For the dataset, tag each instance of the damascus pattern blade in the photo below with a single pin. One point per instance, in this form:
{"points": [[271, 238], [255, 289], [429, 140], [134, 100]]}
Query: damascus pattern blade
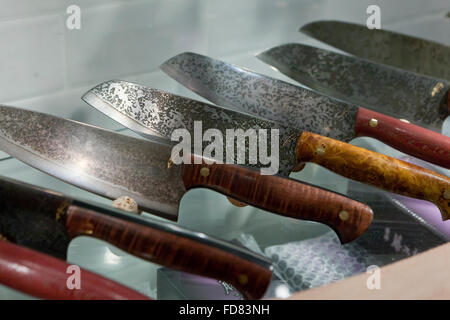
{"points": [[161, 113], [241, 89], [401, 94], [94, 159], [383, 46]]}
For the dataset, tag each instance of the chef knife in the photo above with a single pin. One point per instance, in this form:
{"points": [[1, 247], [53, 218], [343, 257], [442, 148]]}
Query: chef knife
{"points": [[230, 86], [46, 221], [162, 112], [392, 91], [384, 46], [114, 165], [45, 277]]}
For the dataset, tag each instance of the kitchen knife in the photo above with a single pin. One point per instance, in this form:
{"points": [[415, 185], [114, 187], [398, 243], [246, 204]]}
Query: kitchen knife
{"points": [[392, 91], [45, 277], [45, 220], [384, 46], [114, 165], [162, 112], [240, 89]]}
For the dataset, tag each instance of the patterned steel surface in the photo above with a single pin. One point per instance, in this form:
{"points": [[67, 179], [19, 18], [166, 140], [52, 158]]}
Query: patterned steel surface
{"points": [[398, 93], [240, 89], [94, 159], [387, 47], [163, 112]]}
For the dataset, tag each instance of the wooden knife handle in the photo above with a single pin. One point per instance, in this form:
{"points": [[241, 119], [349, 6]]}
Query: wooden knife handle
{"points": [[45, 277], [287, 197], [172, 251], [376, 169], [405, 137]]}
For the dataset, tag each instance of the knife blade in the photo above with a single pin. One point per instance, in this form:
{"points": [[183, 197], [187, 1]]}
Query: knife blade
{"points": [[241, 89], [149, 107], [384, 46], [45, 277], [46, 221], [114, 165], [391, 91]]}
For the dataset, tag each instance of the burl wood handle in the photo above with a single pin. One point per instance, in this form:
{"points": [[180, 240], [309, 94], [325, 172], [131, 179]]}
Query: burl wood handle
{"points": [[45, 277], [172, 251], [405, 137], [287, 197], [376, 169]]}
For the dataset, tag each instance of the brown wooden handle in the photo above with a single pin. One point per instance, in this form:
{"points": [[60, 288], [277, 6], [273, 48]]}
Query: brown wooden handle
{"points": [[172, 251], [287, 197], [376, 169]]}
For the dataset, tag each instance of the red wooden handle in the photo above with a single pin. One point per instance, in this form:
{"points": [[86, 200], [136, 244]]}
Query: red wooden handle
{"points": [[405, 137], [45, 277], [172, 250]]}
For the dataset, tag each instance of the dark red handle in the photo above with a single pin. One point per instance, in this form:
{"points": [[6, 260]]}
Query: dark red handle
{"points": [[405, 137], [45, 277]]}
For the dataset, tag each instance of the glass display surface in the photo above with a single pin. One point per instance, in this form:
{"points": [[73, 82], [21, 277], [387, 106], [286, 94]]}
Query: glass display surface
{"points": [[129, 40]]}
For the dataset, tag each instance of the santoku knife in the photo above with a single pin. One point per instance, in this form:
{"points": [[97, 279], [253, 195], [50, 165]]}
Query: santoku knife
{"points": [[162, 112], [384, 46], [114, 165], [392, 91], [230, 86], [45, 220], [45, 277]]}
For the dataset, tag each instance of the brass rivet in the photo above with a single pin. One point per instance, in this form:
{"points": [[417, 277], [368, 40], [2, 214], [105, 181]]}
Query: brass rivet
{"points": [[169, 163], [204, 172], [242, 279], [87, 228], [373, 122], [3, 238], [344, 215], [404, 120], [447, 194], [437, 88], [320, 151], [61, 211], [236, 203]]}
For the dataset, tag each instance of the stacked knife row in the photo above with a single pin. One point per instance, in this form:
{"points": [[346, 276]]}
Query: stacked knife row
{"points": [[314, 126]]}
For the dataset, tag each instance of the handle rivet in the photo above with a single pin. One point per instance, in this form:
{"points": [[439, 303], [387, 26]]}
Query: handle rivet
{"points": [[373, 122], [243, 279], [169, 163], [204, 172], [344, 215], [320, 151], [447, 194], [3, 238], [437, 88]]}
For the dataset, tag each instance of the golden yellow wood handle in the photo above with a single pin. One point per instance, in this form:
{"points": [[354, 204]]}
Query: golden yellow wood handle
{"points": [[376, 169]]}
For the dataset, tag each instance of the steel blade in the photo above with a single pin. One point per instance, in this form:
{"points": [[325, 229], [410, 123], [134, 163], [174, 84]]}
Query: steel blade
{"points": [[161, 113], [97, 160], [392, 91], [383, 46], [241, 89], [29, 217]]}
